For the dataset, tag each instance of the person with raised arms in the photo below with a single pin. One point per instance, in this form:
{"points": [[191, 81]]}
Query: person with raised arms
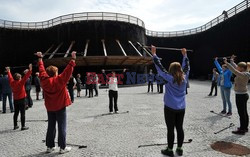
{"points": [[56, 99], [174, 99], [17, 84], [241, 71], [225, 86]]}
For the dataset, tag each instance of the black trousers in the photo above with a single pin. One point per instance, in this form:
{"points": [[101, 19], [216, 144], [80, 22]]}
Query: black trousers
{"points": [[113, 96], [71, 93], [241, 103], [19, 107], [96, 90], [150, 83], [86, 91], [91, 90], [29, 100], [174, 119], [61, 118], [161, 88], [38, 90], [213, 86], [1, 95]]}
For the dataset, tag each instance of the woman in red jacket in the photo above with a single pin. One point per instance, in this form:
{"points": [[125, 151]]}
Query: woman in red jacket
{"points": [[17, 85], [56, 99]]}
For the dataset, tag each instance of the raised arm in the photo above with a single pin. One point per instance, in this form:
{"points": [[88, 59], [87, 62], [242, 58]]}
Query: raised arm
{"points": [[217, 65], [248, 66], [27, 75], [233, 69], [185, 62], [42, 72], [160, 69], [232, 61], [9, 75], [65, 75]]}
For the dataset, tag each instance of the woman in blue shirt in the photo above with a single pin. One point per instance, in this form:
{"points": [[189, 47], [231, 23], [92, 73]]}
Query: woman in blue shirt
{"points": [[225, 86], [174, 99]]}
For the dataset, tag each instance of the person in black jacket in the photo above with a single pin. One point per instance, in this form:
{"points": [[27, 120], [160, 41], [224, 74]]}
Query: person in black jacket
{"points": [[86, 85], [38, 85], [124, 73], [225, 14], [150, 80], [105, 78], [71, 86], [29, 102], [160, 83], [78, 85], [7, 92], [90, 82], [214, 82]]}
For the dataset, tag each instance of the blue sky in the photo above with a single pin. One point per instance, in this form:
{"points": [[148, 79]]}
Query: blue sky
{"points": [[158, 15]]}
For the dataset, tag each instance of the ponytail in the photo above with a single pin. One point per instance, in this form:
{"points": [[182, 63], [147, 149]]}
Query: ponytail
{"points": [[176, 71]]}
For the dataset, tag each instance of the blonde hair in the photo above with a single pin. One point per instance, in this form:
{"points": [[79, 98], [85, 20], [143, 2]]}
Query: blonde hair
{"points": [[176, 71], [51, 70], [242, 65], [248, 66]]}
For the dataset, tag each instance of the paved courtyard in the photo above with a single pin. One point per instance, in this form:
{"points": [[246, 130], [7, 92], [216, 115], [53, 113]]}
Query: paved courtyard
{"points": [[121, 134]]}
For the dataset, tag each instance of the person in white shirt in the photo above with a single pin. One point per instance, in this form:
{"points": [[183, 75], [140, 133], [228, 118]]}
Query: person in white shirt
{"points": [[113, 93]]}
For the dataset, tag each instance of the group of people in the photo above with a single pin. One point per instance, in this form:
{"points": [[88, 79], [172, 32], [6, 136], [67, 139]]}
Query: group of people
{"points": [[91, 84], [176, 84], [57, 96], [57, 91], [223, 79], [159, 81]]}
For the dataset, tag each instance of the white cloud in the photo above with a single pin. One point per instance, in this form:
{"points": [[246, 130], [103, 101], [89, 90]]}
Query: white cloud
{"points": [[158, 15]]}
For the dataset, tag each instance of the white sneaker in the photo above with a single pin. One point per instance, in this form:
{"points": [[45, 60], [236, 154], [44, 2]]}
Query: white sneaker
{"points": [[50, 150], [111, 112], [65, 150]]}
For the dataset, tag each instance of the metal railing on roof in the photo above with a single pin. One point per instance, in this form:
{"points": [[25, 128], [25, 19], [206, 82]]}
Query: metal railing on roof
{"points": [[108, 16], [230, 13], [86, 16]]}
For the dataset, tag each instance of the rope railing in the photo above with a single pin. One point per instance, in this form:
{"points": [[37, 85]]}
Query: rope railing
{"points": [[108, 16], [231, 12], [86, 16]]}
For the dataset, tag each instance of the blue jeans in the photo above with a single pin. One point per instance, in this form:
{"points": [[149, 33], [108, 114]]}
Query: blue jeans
{"points": [[225, 95], [9, 95], [59, 117]]}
